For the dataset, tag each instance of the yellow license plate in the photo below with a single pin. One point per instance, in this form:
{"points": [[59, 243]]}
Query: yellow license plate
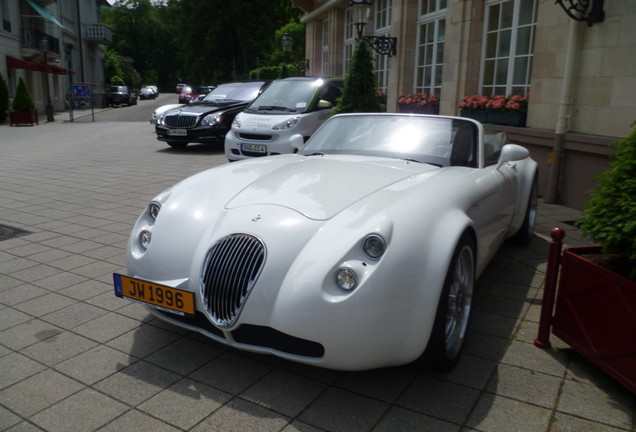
{"points": [[159, 296]]}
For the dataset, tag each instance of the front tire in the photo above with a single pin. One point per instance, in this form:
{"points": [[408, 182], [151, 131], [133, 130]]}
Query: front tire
{"points": [[453, 310]]}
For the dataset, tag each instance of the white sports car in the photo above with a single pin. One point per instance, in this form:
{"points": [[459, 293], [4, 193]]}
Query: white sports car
{"points": [[359, 251]]}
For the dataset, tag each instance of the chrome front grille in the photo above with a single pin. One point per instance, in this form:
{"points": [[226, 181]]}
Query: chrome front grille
{"points": [[181, 120], [231, 269]]}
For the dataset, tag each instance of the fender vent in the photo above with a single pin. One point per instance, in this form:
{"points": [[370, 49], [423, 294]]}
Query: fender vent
{"points": [[231, 269]]}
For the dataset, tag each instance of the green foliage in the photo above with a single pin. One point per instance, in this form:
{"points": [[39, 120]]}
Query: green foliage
{"points": [[265, 73], [200, 41], [610, 215], [4, 99], [22, 100], [117, 80], [359, 93]]}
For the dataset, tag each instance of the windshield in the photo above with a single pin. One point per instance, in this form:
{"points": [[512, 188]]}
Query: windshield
{"points": [[234, 92], [435, 140], [194, 90], [288, 96]]}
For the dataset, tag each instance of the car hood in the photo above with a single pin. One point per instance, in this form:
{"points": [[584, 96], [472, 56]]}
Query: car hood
{"points": [[319, 187], [206, 108]]}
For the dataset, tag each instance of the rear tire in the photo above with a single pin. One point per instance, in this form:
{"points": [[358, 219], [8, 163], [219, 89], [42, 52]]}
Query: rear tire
{"points": [[454, 308], [177, 144], [525, 233]]}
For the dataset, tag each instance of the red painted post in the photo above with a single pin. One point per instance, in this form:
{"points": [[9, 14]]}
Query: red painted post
{"points": [[549, 290]]}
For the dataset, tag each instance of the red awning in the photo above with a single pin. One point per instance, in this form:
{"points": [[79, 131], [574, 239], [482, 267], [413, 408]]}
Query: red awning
{"points": [[60, 71], [16, 63]]}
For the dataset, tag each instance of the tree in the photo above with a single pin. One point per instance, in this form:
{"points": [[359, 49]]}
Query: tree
{"points": [[22, 100], [359, 93], [199, 41]]}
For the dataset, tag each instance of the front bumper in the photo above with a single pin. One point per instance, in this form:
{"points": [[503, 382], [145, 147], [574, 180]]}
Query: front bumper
{"points": [[246, 146], [199, 134]]}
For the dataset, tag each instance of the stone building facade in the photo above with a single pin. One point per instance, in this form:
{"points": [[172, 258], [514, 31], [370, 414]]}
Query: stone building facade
{"points": [[581, 78], [75, 41]]}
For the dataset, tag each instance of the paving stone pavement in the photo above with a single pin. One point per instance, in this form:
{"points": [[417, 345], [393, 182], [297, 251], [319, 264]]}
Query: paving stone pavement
{"points": [[73, 357]]}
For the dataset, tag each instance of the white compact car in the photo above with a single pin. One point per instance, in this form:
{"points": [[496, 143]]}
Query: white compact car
{"points": [[288, 107], [359, 251]]}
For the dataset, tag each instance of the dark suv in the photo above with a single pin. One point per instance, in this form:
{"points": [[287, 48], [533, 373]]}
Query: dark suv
{"points": [[208, 120], [120, 95]]}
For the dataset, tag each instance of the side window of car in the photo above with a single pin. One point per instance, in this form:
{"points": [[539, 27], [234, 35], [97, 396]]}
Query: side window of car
{"points": [[463, 152], [331, 93], [493, 143]]}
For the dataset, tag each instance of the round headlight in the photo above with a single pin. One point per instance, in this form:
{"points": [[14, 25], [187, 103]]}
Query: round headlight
{"points": [[144, 238], [153, 209], [287, 124], [374, 246], [346, 279]]}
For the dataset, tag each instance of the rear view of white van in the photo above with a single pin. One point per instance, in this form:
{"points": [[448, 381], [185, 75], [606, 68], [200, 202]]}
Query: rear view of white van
{"points": [[287, 107]]}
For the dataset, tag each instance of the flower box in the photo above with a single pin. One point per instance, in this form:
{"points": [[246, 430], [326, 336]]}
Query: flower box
{"points": [[418, 109], [506, 118], [23, 117], [508, 110], [479, 115], [418, 103]]}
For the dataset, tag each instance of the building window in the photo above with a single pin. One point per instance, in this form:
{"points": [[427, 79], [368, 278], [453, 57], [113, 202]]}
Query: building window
{"points": [[382, 27], [4, 16], [508, 46], [430, 46], [431, 6], [325, 48]]}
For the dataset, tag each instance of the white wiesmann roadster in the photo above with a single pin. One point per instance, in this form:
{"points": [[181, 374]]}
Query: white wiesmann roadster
{"points": [[359, 251]]}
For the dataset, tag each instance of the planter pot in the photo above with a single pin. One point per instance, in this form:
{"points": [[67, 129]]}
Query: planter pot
{"points": [[595, 313], [418, 110], [23, 117], [508, 118], [480, 116]]}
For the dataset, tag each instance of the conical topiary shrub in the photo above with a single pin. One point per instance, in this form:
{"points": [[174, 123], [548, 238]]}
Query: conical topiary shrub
{"points": [[4, 100], [22, 100], [359, 92]]}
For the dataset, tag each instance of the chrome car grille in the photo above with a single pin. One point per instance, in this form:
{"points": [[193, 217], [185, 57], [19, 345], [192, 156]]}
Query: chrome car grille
{"points": [[231, 269], [181, 120]]}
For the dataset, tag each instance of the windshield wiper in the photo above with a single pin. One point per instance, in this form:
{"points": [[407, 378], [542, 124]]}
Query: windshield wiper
{"points": [[275, 108], [422, 162]]}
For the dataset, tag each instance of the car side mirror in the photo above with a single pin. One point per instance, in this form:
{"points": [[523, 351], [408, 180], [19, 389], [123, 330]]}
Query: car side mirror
{"points": [[512, 153], [323, 104], [296, 142]]}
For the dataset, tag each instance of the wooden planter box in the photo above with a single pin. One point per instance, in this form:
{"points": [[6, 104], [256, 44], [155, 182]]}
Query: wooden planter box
{"points": [[594, 313], [508, 118], [23, 118]]}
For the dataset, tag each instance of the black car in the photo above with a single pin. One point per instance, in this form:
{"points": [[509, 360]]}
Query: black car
{"points": [[209, 120], [120, 95], [147, 93]]}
